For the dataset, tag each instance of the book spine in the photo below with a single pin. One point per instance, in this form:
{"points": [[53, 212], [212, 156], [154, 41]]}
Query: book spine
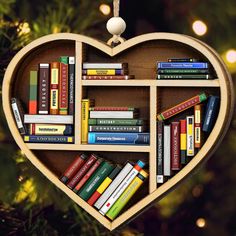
{"points": [[182, 65], [103, 186], [179, 76], [18, 114], [182, 60], [116, 122], [49, 119], [87, 65], [82, 171], [198, 126], [112, 109], [96, 179], [167, 151], [50, 129], [126, 195], [113, 186], [113, 114], [183, 71], [190, 135], [106, 128], [33, 92], [183, 141], [63, 86], [43, 98], [121, 188], [175, 146], [160, 174], [71, 85], [107, 77], [118, 138], [211, 113], [182, 106], [73, 168], [48, 139], [104, 72], [54, 88], [87, 175]]}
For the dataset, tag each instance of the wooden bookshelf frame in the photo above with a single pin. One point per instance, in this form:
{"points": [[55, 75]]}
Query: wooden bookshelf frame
{"points": [[146, 81]]}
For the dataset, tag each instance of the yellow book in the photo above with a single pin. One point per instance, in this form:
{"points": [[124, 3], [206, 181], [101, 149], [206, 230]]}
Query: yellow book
{"points": [[104, 72], [190, 135]]}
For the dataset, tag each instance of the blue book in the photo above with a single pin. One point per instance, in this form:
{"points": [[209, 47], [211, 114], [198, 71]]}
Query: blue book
{"points": [[182, 65], [118, 138], [211, 113], [48, 139]]}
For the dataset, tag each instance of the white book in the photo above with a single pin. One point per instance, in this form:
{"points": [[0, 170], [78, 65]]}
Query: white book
{"points": [[112, 187], [166, 151], [87, 65], [112, 114], [190, 135], [48, 119]]}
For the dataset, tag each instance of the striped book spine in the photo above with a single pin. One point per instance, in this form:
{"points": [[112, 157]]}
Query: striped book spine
{"points": [[33, 92], [71, 85]]}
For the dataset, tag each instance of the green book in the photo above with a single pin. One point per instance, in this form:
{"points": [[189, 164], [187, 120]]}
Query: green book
{"points": [[116, 122], [183, 71], [33, 92], [95, 180], [184, 76]]}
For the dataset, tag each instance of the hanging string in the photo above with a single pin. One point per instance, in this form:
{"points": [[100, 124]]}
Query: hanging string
{"points": [[116, 8]]}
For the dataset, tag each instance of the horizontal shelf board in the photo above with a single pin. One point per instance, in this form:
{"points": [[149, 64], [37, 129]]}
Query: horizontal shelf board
{"points": [[188, 83], [86, 147]]}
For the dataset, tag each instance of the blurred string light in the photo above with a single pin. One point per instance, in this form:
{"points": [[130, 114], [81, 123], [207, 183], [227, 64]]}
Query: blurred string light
{"points": [[201, 223], [23, 28], [105, 9], [199, 27], [231, 56]]}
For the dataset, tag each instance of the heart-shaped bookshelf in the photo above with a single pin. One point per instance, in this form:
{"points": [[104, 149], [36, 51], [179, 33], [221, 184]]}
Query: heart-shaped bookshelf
{"points": [[147, 93]]}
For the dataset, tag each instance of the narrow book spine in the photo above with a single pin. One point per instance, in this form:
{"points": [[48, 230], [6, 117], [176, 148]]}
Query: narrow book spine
{"points": [[190, 135], [182, 60], [82, 171], [50, 129], [183, 141], [182, 65], [113, 114], [63, 86], [71, 85], [48, 139], [73, 168], [48, 119], [33, 92], [160, 174], [198, 126], [167, 150], [175, 146], [116, 122], [87, 65], [183, 71], [105, 72], [54, 88], [43, 102], [106, 128], [180, 76], [126, 195], [107, 77], [112, 109]]}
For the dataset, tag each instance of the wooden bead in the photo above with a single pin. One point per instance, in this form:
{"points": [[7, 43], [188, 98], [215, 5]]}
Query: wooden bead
{"points": [[116, 26]]}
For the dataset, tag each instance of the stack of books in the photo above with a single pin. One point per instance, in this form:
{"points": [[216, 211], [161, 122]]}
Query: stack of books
{"points": [[112, 125], [184, 68], [104, 185], [180, 140], [106, 71], [51, 103]]}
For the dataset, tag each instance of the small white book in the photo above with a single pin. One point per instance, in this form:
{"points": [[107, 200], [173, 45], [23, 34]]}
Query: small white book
{"points": [[87, 65], [113, 114], [167, 146], [48, 119]]}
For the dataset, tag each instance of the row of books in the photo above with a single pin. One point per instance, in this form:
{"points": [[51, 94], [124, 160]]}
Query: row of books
{"points": [[179, 140], [112, 125], [103, 185], [184, 68]]}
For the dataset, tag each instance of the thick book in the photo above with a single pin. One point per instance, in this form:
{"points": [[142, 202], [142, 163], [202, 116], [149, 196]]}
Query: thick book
{"points": [[107, 77], [182, 106], [113, 114], [63, 86], [96, 179], [54, 88], [160, 174], [113, 128], [121, 188], [73, 168], [48, 119], [190, 135], [85, 105], [175, 145], [167, 151], [48, 139], [33, 92], [183, 71], [82, 171], [105, 72], [118, 138], [71, 88], [18, 114], [89, 65], [50, 129], [104, 185], [86, 177], [211, 113], [198, 112], [183, 142], [183, 76], [113, 186], [43, 90], [182, 65], [113, 109], [116, 122]]}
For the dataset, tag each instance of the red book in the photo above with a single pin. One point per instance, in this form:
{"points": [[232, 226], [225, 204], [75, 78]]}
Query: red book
{"points": [[175, 146], [107, 77], [88, 175], [79, 175], [73, 168]]}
